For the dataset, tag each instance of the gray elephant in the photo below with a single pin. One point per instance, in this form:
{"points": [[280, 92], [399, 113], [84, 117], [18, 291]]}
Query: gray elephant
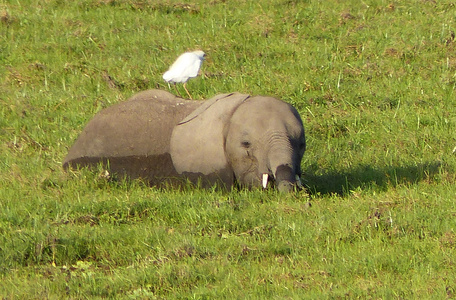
{"points": [[227, 140]]}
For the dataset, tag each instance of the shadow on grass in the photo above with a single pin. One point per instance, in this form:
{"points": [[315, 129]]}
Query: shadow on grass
{"points": [[341, 183]]}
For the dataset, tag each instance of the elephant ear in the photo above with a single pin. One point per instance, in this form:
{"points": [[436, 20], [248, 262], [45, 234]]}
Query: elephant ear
{"points": [[198, 141]]}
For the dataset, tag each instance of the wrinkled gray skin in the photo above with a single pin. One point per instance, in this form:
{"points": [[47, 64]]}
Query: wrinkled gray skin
{"points": [[231, 138]]}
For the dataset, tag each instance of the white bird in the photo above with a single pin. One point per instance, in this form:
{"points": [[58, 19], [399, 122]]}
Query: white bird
{"points": [[186, 66]]}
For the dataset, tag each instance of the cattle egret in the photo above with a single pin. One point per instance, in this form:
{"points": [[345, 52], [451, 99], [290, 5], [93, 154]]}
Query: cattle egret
{"points": [[186, 66]]}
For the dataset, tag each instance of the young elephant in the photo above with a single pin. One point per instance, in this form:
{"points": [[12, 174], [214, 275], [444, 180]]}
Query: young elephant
{"points": [[227, 139]]}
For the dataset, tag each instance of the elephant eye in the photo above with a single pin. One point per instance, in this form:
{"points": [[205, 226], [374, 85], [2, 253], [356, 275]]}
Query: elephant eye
{"points": [[245, 144]]}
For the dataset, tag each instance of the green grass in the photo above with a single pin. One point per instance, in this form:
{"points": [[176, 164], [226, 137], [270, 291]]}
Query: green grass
{"points": [[374, 82]]}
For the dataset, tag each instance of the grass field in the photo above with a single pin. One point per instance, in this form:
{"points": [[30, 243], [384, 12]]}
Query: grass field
{"points": [[374, 82]]}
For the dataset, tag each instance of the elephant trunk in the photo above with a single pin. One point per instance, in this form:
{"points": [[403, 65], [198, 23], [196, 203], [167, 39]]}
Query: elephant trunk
{"points": [[285, 178], [283, 166]]}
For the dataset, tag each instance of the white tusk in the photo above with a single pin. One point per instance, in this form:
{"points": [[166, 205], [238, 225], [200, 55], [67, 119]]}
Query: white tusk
{"points": [[298, 181], [265, 180]]}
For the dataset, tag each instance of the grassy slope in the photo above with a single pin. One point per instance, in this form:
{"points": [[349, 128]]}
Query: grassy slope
{"points": [[374, 83]]}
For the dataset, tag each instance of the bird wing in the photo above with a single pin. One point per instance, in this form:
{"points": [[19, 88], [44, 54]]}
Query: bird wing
{"points": [[193, 67], [186, 66]]}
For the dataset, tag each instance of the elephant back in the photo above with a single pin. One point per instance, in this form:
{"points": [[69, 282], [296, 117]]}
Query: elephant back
{"points": [[134, 135]]}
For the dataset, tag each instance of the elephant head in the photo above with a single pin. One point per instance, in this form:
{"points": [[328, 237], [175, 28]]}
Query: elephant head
{"points": [[242, 138], [265, 139], [227, 139]]}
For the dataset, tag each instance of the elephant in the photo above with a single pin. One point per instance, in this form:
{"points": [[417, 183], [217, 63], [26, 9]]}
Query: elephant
{"points": [[229, 140]]}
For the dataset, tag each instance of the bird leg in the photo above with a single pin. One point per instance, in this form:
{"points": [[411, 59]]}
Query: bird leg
{"points": [[187, 91], [176, 89]]}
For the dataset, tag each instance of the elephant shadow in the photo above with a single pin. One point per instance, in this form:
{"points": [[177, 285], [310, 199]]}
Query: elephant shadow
{"points": [[363, 176]]}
